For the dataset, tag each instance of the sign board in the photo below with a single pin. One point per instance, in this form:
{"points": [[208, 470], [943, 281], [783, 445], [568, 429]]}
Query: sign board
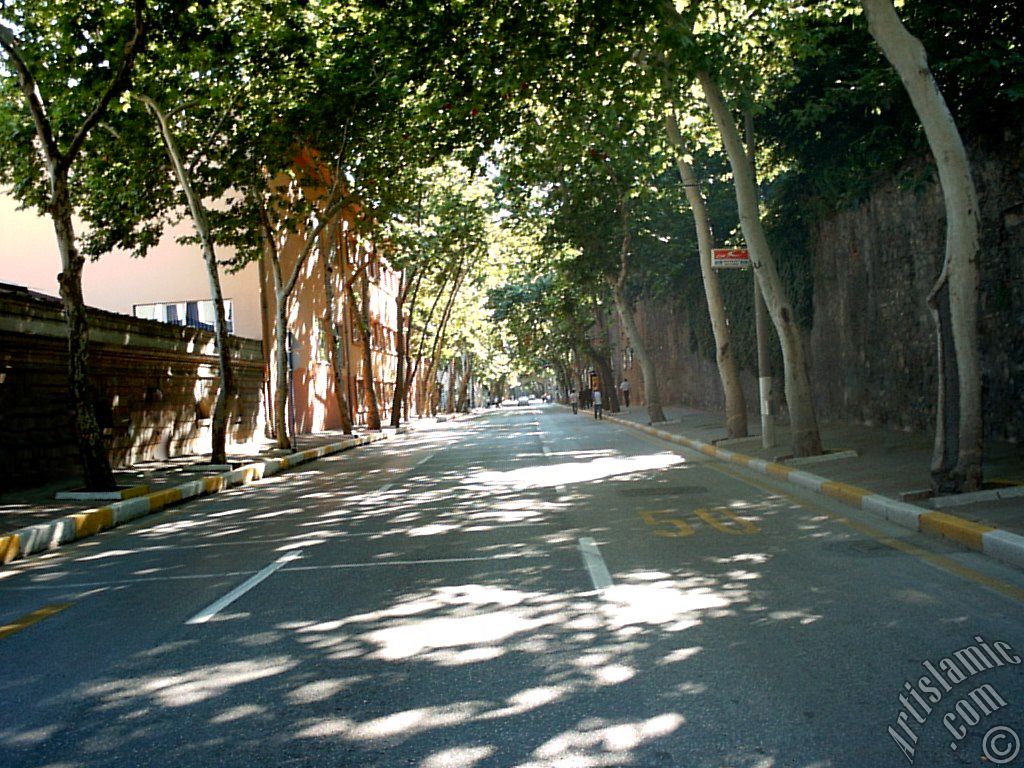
{"points": [[730, 258]]}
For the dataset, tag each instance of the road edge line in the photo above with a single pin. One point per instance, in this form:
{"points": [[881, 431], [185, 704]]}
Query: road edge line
{"points": [[993, 542], [45, 537]]}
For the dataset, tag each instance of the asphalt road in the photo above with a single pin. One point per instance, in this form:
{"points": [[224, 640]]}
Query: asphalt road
{"points": [[530, 588]]}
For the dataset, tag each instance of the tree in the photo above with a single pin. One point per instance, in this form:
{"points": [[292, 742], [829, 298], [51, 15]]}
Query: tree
{"points": [[695, 48], [799, 395], [728, 371], [226, 389], [361, 315], [956, 459], [274, 238], [329, 255], [66, 84]]}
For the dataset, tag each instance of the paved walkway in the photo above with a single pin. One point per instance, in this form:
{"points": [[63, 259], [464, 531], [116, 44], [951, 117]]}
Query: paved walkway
{"points": [[37, 504], [888, 462]]}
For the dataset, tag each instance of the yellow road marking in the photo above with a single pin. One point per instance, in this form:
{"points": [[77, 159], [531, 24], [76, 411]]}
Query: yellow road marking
{"points": [[939, 561], [214, 483], [134, 492], [682, 528], [32, 618], [745, 526]]}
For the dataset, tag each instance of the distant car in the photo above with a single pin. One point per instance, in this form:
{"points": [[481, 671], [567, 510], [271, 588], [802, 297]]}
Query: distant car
{"points": [[523, 400]]}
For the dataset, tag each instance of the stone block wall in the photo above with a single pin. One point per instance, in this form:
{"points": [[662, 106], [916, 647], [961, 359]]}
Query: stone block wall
{"points": [[872, 342], [154, 388]]}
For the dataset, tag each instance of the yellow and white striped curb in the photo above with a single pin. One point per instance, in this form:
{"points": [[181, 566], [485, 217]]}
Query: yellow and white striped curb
{"points": [[46, 536], [994, 542]]}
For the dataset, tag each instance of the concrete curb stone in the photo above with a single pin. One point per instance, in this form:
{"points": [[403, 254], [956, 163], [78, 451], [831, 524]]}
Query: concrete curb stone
{"points": [[998, 544], [47, 536]]}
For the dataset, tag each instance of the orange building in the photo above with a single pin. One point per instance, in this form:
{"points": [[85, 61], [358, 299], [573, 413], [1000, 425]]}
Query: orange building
{"points": [[173, 277], [310, 322]]}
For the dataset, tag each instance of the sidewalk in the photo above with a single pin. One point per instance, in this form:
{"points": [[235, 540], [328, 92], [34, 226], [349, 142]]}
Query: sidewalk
{"points": [[33, 520], [888, 462], [22, 507]]}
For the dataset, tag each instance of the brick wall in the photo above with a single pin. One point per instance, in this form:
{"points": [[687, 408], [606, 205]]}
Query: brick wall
{"points": [[154, 387]]}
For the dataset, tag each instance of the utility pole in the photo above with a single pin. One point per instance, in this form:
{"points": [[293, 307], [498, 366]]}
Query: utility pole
{"points": [[764, 370], [764, 373]]}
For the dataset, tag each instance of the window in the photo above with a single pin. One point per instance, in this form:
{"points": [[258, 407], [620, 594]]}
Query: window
{"points": [[323, 338], [194, 314]]}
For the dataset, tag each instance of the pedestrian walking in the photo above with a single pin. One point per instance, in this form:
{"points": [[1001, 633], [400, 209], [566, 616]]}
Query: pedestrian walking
{"points": [[624, 388], [597, 404], [574, 401]]}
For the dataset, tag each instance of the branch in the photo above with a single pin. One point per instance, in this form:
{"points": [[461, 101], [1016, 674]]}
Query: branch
{"points": [[30, 88], [311, 239], [116, 85], [627, 241], [216, 129], [268, 238]]}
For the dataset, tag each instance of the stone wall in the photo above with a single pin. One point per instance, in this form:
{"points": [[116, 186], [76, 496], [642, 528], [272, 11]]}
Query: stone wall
{"points": [[872, 343], [154, 387], [873, 340]]}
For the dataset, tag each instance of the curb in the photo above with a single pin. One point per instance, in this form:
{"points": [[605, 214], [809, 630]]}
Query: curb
{"points": [[47, 536], [994, 542]]}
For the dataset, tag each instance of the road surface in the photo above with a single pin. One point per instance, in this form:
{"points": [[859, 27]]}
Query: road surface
{"points": [[530, 588]]}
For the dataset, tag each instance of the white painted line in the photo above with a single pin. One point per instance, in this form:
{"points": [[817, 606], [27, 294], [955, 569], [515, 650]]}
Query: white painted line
{"points": [[595, 564], [214, 608], [435, 561]]}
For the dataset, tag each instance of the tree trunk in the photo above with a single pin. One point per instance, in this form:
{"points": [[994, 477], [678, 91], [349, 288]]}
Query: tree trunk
{"points": [[602, 359], [460, 403], [728, 371], [438, 346], [282, 293], [282, 387], [402, 360], [337, 353], [959, 277], [653, 398], [625, 310], [799, 396], [363, 321], [280, 348], [452, 373], [227, 389], [97, 474], [96, 469], [423, 335]]}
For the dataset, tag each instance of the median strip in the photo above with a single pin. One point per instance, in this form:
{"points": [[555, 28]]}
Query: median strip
{"points": [[47, 536]]}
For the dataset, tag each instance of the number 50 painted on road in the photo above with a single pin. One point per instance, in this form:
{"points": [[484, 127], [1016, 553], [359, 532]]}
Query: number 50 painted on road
{"points": [[721, 519]]}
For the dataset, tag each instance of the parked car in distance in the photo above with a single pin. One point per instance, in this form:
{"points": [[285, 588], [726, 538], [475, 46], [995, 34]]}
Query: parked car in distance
{"points": [[524, 400]]}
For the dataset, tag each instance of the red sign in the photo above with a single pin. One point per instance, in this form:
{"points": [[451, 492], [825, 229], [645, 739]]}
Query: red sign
{"points": [[730, 258]]}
